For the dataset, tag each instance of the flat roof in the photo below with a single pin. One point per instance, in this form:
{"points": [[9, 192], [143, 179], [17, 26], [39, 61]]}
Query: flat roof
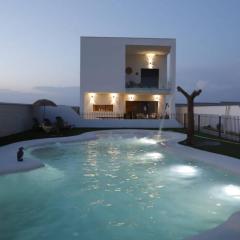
{"points": [[128, 37]]}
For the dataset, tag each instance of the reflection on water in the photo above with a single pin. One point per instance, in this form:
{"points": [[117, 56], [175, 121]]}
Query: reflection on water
{"points": [[232, 191], [184, 171], [114, 188]]}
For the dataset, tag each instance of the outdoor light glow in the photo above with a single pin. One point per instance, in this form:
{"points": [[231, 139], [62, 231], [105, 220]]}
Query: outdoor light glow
{"points": [[156, 97], [185, 170], [150, 59], [147, 141], [92, 96], [114, 96], [154, 155], [150, 157], [232, 191], [131, 97], [150, 65]]}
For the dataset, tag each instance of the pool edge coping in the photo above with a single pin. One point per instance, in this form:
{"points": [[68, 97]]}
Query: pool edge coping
{"points": [[9, 151]]}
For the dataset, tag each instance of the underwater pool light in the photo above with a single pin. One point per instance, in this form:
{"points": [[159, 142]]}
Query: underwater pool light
{"points": [[232, 191], [154, 155], [185, 170], [147, 141]]}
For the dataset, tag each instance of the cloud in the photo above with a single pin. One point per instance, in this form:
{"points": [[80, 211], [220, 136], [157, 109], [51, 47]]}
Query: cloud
{"points": [[56, 89], [60, 95], [11, 96], [201, 84], [218, 84]]}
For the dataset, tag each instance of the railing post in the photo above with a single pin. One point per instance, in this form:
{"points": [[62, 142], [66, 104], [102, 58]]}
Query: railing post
{"points": [[220, 126], [198, 123], [238, 123]]}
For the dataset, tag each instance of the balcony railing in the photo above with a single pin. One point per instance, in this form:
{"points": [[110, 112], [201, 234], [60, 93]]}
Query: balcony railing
{"points": [[139, 86]]}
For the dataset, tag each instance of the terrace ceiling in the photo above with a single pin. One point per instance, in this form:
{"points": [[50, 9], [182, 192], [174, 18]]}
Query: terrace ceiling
{"points": [[144, 49]]}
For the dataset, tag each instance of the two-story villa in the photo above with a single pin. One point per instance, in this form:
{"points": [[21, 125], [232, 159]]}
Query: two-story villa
{"points": [[127, 78]]}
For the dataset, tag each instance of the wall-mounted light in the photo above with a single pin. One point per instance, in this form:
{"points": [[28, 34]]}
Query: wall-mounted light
{"points": [[92, 97], [156, 98], [114, 97], [131, 97], [150, 59]]}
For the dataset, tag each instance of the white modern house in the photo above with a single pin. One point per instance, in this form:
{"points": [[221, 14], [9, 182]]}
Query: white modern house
{"points": [[128, 79]]}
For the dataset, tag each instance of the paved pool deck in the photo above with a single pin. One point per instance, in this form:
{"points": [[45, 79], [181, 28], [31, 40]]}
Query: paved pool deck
{"points": [[229, 230]]}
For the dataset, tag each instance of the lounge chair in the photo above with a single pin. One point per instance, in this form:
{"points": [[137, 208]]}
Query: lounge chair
{"points": [[36, 125], [61, 124], [47, 126]]}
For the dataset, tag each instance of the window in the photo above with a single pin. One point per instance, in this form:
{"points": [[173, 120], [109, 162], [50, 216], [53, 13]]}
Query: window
{"points": [[149, 77], [103, 108]]}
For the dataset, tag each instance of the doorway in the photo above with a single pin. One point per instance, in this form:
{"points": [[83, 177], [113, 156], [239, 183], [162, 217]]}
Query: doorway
{"points": [[142, 109]]}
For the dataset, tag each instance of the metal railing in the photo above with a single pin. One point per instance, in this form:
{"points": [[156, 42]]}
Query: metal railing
{"points": [[130, 115], [226, 127], [140, 85]]}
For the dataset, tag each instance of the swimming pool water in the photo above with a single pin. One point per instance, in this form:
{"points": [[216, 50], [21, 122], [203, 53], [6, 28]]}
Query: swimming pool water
{"points": [[114, 188]]}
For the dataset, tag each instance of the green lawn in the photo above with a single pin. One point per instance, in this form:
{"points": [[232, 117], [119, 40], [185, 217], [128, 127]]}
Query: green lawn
{"points": [[36, 134], [214, 144], [201, 141]]}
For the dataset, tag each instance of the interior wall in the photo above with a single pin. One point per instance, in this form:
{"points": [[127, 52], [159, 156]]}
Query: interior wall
{"points": [[103, 99], [138, 61], [145, 97], [119, 100]]}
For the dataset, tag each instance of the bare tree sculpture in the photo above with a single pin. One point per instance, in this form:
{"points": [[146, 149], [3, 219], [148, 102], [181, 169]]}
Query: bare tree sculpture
{"points": [[190, 105]]}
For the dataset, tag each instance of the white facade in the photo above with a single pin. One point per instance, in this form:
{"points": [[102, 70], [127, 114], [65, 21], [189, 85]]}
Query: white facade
{"points": [[112, 81]]}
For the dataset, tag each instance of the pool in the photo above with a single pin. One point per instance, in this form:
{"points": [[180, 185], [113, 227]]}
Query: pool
{"points": [[117, 186]]}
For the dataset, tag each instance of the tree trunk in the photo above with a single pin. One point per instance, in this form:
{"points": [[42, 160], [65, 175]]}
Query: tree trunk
{"points": [[190, 105], [190, 132]]}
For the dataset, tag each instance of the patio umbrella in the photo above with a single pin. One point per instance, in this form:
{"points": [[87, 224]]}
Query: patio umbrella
{"points": [[44, 103]]}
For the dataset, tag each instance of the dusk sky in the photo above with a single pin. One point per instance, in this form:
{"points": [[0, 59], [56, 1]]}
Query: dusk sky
{"points": [[40, 43]]}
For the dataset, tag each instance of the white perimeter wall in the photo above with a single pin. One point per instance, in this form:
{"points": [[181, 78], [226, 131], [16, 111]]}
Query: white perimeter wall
{"points": [[215, 110], [15, 118]]}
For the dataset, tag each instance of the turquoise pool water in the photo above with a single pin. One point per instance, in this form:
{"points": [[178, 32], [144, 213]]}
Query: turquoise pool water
{"points": [[114, 188]]}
